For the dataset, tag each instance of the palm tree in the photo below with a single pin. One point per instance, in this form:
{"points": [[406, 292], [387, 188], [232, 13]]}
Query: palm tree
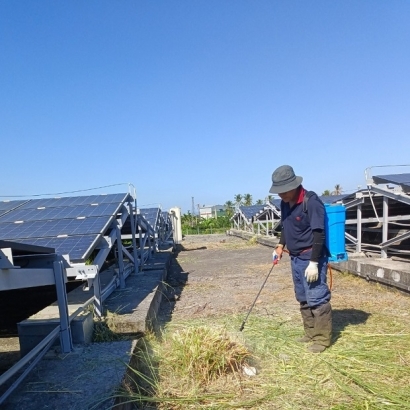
{"points": [[188, 219], [229, 208], [259, 202], [238, 199], [326, 192], [338, 190], [247, 199]]}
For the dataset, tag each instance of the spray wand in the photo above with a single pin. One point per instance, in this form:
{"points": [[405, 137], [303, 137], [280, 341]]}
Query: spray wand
{"points": [[274, 262]]}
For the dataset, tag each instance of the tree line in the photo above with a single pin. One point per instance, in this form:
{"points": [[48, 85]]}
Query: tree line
{"points": [[195, 222]]}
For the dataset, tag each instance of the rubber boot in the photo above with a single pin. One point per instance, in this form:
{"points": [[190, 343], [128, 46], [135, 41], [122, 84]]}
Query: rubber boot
{"points": [[308, 323], [322, 332]]}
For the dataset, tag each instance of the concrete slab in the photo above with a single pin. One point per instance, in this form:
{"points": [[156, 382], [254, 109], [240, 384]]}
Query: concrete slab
{"points": [[135, 306]]}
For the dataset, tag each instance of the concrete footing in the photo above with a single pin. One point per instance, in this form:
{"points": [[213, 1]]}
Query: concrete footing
{"points": [[32, 332]]}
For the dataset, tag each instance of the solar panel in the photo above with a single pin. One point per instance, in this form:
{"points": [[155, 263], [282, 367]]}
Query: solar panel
{"points": [[74, 201], [331, 199], [150, 215], [276, 202], [7, 205], [78, 247], [397, 179], [53, 228], [45, 213], [251, 211]]}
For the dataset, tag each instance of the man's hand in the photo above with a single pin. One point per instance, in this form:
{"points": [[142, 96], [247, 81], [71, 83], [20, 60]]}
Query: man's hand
{"points": [[275, 258], [277, 254], [312, 272]]}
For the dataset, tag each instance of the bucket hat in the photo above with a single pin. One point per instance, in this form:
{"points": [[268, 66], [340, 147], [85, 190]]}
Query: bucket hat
{"points": [[284, 180]]}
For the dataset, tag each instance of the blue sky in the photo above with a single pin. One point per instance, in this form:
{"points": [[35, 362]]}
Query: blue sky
{"points": [[200, 99]]}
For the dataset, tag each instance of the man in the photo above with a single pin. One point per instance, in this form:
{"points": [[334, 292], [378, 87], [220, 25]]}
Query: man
{"points": [[303, 234]]}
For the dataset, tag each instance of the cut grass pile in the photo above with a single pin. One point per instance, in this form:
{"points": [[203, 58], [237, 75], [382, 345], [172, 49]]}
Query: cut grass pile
{"points": [[201, 354], [198, 365]]}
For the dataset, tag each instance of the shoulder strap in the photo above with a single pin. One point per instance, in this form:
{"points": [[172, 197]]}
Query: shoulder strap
{"points": [[308, 194]]}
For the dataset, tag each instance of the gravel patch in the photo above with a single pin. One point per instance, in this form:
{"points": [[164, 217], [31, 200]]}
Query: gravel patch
{"points": [[84, 379]]}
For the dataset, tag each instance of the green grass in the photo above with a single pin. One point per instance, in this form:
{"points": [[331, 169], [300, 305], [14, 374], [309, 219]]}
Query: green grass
{"points": [[368, 367]]}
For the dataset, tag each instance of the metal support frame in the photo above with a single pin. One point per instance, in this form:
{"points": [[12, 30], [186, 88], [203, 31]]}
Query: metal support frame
{"points": [[120, 257], [385, 227], [133, 222], [351, 238], [400, 197], [141, 238], [98, 302], [359, 228], [396, 239], [66, 340]]}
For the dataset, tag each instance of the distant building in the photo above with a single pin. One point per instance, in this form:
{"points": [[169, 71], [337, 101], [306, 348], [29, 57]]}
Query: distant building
{"points": [[212, 211]]}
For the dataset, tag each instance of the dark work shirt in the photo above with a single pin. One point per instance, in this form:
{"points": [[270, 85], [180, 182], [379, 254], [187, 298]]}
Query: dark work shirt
{"points": [[298, 225]]}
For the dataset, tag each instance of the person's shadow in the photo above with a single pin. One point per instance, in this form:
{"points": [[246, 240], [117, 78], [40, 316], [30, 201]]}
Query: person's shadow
{"points": [[343, 317]]}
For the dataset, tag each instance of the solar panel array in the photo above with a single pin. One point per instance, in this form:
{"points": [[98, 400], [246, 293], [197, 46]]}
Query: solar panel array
{"points": [[70, 225], [250, 211]]}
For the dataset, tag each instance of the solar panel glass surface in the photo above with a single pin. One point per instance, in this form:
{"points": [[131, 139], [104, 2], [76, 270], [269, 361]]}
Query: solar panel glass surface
{"points": [[8, 205], [397, 179], [64, 202], [150, 215], [41, 214], [53, 228], [78, 247], [276, 202], [251, 211], [330, 199]]}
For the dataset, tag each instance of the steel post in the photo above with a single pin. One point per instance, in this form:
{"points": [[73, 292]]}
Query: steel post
{"points": [[133, 222], [120, 257], [385, 229], [98, 306], [359, 228], [65, 331]]}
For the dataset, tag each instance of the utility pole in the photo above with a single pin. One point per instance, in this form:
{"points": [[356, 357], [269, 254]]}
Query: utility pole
{"points": [[192, 212]]}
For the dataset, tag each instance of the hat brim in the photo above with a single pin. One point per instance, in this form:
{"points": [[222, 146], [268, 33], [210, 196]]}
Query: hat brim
{"points": [[280, 189]]}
